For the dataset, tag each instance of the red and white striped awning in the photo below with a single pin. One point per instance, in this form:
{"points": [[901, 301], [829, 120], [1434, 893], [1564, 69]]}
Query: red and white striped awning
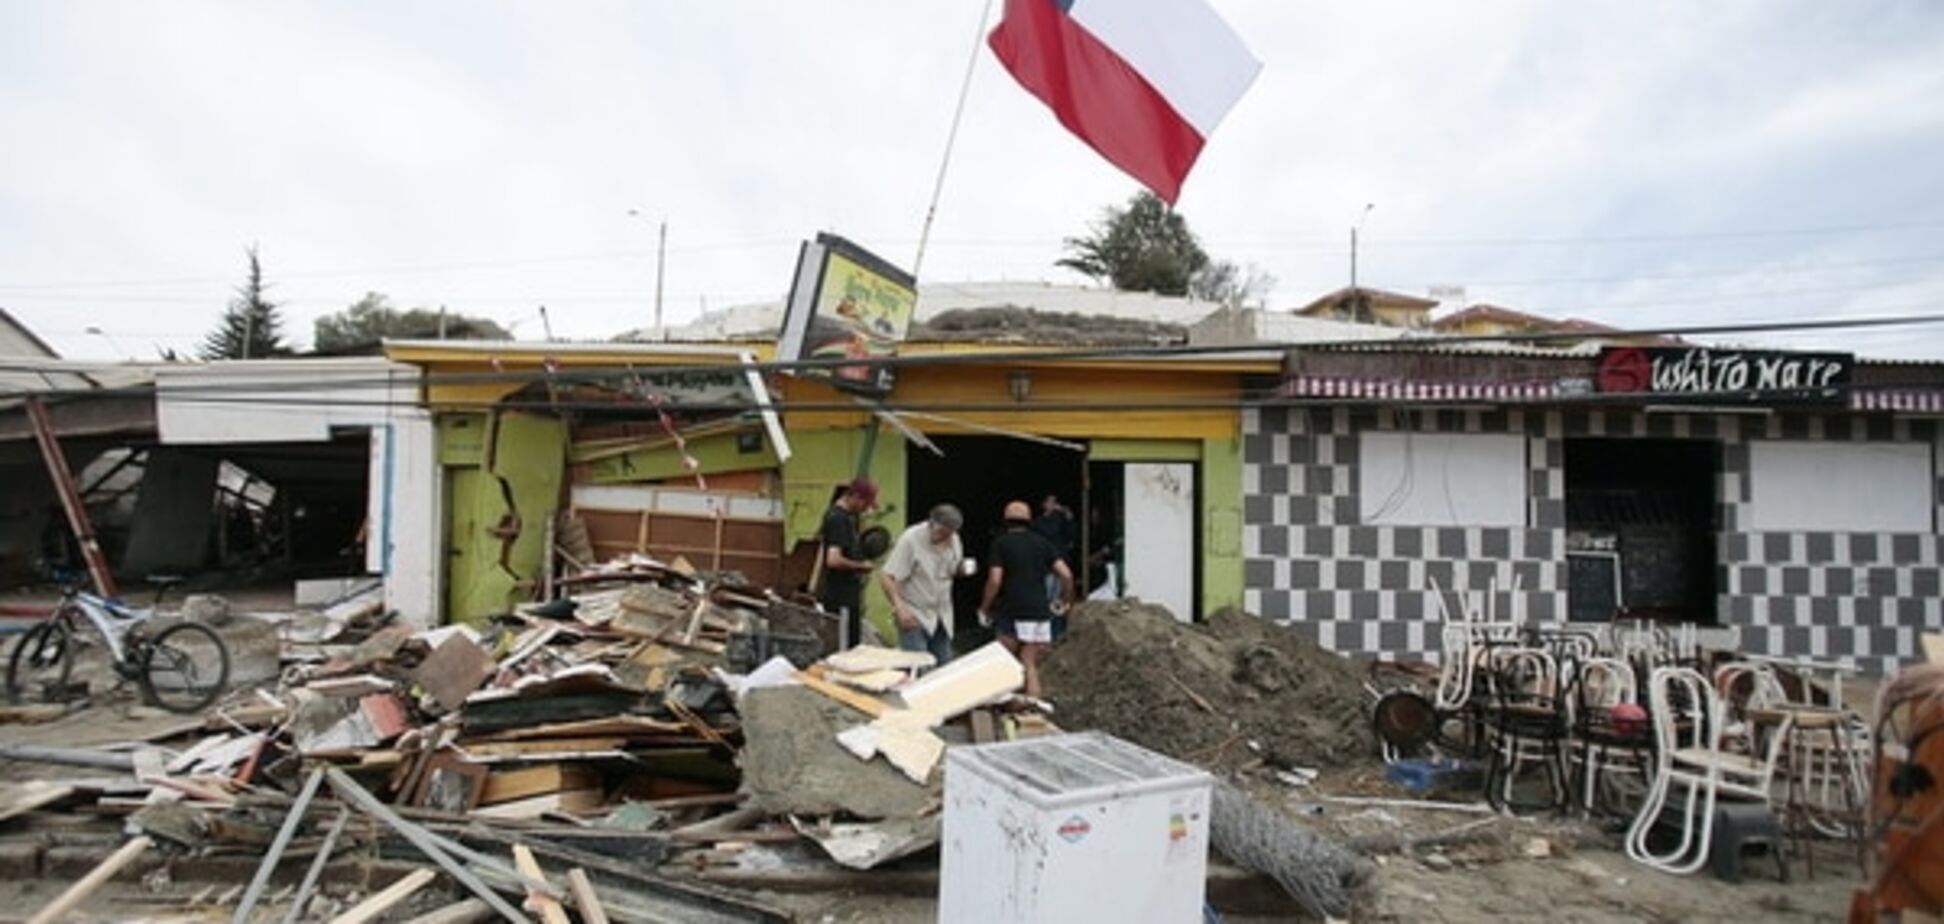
{"points": [[1912, 400], [1310, 386]]}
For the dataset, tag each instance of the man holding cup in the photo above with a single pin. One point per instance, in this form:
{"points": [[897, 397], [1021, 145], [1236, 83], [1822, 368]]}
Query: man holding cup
{"points": [[918, 581]]}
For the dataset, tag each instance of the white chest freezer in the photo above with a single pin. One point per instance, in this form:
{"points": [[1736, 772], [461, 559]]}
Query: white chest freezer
{"points": [[1072, 828]]}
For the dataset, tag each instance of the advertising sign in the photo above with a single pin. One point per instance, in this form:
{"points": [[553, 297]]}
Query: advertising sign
{"points": [[1709, 374], [846, 303]]}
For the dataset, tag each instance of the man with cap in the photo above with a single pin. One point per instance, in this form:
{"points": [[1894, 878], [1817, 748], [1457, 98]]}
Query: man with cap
{"points": [[843, 564], [1017, 599], [918, 580]]}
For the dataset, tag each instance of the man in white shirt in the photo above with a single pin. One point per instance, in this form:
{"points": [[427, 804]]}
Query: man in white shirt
{"points": [[918, 580]]}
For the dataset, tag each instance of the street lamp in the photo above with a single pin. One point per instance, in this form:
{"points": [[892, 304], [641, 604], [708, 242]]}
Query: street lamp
{"points": [[112, 342], [661, 256]]}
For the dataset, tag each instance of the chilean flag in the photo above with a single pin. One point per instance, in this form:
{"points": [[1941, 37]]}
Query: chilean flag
{"points": [[1144, 82]]}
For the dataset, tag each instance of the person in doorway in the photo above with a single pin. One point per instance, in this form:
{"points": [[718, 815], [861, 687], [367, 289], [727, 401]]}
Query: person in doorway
{"points": [[843, 564], [1017, 602], [918, 580], [1055, 522]]}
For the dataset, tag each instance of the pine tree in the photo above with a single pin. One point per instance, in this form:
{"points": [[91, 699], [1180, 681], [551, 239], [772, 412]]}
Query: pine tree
{"points": [[250, 328]]}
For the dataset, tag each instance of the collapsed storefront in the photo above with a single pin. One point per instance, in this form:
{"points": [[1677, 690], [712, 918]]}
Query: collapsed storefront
{"points": [[664, 450], [1789, 498]]}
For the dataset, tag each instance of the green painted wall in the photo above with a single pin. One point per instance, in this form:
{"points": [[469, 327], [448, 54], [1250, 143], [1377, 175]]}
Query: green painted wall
{"points": [[715, 454], [1221, 465], [486, 572], [824, 459], [1144, 451]]}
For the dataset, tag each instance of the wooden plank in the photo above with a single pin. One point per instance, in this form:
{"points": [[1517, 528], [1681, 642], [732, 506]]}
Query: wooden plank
{"points": [[537, 780], [470, 911], [571, 801], [585, 901], [524, 748], [63, 904], [20, 798], [547, 906], [383, 900], [31, 713], [848, 697]]}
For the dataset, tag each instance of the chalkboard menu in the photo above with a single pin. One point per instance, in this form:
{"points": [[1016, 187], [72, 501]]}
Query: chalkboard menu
{"points": [[1592, 586]]}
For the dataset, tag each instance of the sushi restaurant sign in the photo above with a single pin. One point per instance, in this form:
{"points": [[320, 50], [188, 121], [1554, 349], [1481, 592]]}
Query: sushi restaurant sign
{"points": [[1716, 375]]}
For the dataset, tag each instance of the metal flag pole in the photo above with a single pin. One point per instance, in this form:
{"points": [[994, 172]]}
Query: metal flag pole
{"points": [[951, 138]]}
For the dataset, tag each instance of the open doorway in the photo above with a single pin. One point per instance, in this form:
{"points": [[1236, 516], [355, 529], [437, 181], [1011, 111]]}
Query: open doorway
{"points": [[980, 474], [1640, 528]]}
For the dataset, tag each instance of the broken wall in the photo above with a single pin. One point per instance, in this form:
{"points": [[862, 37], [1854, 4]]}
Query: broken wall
{"points": [[174, 512]]}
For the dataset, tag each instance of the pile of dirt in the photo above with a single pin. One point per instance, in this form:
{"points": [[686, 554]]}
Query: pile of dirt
{"points": [[1204, 693], [1013, 324]]}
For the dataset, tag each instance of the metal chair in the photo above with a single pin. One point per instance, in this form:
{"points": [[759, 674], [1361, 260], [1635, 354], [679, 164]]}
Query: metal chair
{"points": [[1528, 725], [1605, 743], [1690, 721]]}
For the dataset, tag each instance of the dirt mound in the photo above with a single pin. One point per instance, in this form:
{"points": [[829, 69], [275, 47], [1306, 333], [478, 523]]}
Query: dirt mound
{"points": [[1013, 324], [1131, 670]]}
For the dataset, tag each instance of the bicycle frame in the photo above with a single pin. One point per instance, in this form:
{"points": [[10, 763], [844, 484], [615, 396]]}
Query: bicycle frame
{"points": [[111, 620]]}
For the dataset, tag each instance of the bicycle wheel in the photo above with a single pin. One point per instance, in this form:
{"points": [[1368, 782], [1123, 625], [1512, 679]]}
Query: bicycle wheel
{"points": [[41, 663], [185, 668]]}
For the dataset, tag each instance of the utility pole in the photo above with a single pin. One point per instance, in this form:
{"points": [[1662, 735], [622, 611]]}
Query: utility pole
{"points": [[1359, 308], [546, 325], [661, 261]]}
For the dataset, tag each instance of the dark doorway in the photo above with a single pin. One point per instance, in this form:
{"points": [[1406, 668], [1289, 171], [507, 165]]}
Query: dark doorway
{"points": [[980, 474], [1651, 504]]}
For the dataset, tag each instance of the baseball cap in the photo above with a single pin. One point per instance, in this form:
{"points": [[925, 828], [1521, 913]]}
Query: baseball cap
{"points": [[863, 489], [947, 516]]}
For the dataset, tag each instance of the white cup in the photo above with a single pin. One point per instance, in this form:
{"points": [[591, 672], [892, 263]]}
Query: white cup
{"points": [[968, 567]]}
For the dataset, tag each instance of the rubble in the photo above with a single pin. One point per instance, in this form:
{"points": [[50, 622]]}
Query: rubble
{"points": [[1232, 692]]}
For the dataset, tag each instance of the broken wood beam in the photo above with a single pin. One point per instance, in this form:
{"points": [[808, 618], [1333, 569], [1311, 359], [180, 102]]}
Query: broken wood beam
{"points": [[470, 911], [293, 819], [585, 901], [855, 700], [383, 900], [545, 905], [59, 908]]}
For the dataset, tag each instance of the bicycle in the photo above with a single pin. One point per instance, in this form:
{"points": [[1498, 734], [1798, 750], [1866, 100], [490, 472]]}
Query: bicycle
{"points": [[183, 668]]}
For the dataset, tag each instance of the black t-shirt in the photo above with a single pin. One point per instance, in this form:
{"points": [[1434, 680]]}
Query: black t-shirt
{"points": [[1057, 527], [840, 532], [1027, 558]]}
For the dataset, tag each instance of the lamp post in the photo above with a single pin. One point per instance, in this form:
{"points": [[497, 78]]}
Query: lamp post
{"points": [[661, 261], [113, 344]]}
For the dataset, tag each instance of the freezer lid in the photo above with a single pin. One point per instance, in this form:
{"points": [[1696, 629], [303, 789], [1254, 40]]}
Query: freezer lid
{"points": [[1065, 768]]}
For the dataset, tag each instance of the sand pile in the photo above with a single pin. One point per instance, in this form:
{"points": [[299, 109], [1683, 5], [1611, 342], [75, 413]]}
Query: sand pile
{"points": [[1203, 692]]}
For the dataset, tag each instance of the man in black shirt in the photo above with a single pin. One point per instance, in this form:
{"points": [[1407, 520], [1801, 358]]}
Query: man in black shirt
{"points": [[1017, 601], [844, 566]]}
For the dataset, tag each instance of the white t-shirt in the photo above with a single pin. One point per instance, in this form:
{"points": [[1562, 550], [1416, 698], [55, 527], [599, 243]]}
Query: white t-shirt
{"points": [[924, 570]]}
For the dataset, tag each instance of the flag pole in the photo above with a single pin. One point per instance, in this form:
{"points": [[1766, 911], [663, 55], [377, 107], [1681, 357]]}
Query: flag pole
{"points": [[951, 139]]}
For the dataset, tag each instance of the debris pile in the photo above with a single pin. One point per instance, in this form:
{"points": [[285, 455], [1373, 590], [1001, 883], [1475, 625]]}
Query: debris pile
{"points": [[1234, 692], [650, 723]]}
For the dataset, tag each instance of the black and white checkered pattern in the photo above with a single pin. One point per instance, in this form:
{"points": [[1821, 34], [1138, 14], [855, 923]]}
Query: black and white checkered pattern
{"points": [[1308, 561]]}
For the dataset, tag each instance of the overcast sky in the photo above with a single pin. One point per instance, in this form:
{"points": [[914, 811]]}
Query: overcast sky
{"points": [[1637, 163]]}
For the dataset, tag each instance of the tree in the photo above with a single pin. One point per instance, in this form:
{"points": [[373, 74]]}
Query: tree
{"points": [[372, 319], [250, 326], [1144, 246], [1234, 286]]}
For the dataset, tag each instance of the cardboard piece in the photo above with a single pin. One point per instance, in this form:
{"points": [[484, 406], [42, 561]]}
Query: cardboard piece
{"points": [[453, 671], [525, 782]]}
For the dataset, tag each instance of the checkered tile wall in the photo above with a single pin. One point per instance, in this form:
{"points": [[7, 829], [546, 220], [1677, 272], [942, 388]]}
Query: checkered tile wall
{"points": [[1365, 589]]}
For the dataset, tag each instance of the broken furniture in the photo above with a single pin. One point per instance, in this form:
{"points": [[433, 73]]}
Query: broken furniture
{"points": [[1609, 729], [1691, 754], [1528, 726]]}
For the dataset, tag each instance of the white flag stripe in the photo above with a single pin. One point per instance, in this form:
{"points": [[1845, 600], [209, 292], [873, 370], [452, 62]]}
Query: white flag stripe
{"points": [[1182, 47]]}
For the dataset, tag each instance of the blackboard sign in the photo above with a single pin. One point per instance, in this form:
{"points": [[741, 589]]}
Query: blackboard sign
{"points": [[1592, 586]]}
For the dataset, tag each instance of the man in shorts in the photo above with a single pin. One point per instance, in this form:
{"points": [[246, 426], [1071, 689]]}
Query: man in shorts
{"points": [[1017, 600]]}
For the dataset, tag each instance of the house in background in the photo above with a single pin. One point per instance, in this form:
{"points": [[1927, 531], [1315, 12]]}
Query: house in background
{"points": [[1364, 305]]}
